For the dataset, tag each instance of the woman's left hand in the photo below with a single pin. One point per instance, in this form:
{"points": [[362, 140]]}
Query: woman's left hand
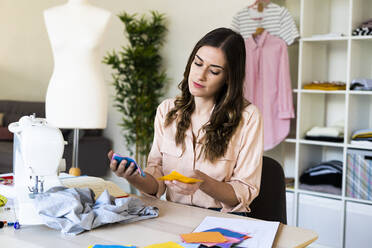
{"points": [[187, 188]]}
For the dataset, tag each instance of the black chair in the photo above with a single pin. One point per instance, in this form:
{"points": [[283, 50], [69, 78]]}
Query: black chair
{"points": [[270, 204]]}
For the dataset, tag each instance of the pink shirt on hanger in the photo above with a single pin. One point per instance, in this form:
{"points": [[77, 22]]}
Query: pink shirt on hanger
{"points": [[268, 85]]}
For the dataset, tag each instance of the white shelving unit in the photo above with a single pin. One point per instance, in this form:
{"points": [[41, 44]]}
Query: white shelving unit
{"points": [[340, 221]]}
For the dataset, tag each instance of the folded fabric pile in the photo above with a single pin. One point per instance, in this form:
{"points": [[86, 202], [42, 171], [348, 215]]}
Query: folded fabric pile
{"points": [[364, 29], [324, 177], [333, 133], [361, 84], [362, 137], [216, 237], [325, 85], [74, 210]]}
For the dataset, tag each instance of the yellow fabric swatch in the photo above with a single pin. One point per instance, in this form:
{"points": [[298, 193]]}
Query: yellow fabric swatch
{"points": [[174, 175], [169, 244], [203, 237]]}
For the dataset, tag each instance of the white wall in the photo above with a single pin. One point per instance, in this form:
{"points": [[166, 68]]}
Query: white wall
{"points": [[26, 61]]}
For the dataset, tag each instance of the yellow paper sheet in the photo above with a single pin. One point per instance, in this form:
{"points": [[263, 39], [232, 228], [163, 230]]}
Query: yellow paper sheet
{"points": [[174, 175], [169, 244], [203, 237]]}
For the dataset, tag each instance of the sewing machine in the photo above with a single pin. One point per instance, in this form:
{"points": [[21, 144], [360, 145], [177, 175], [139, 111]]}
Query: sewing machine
{"points": [[37, 153]]}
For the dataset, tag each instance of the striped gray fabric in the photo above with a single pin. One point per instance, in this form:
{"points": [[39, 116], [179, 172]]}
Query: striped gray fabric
{"points": [[275, 19]]}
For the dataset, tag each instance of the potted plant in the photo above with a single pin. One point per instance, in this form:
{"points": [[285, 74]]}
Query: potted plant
{"points": [[138, 80]]}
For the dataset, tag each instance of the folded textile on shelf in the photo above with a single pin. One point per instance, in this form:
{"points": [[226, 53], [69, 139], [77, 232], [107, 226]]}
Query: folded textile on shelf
{"points": [[362, 133], [325, 85], [325, 138], [362, 31], [332, 131], [327, 172], [367, 23], [365, 28], [323, 188], [361, 84]]}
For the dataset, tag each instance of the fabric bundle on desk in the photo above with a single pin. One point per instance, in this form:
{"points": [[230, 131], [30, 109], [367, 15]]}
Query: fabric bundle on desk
{"points": [[74, 210], [324, 177]]}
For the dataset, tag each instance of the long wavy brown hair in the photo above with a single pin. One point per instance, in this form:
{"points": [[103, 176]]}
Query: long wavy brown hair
{"points": [[229, 101]]}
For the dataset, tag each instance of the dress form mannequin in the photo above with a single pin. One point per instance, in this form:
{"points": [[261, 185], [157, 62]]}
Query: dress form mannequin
{"points": [[77, 94]]}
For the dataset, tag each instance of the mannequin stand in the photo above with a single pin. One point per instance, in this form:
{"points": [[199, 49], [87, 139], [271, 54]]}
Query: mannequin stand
{"points": [[74, 170]]}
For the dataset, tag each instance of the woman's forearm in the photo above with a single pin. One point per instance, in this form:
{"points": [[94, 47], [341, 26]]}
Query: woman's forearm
{"points": [[147, 184], [220, 191]]}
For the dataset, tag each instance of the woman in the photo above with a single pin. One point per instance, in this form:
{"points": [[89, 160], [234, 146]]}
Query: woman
{"points": [[209, 132]]}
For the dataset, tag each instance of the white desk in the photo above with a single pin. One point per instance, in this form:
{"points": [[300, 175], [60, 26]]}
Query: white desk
{"points": [[173, 220]]}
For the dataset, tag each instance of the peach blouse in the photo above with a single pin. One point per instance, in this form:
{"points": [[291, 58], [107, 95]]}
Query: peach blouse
{"points": [[240, 166]]}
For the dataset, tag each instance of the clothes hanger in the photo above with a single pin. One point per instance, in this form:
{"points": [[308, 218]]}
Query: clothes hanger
{"points": [[260, 8]]}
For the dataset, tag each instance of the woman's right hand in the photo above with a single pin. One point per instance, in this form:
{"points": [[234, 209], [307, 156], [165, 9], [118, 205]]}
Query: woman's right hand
{"points": [[120, 170]]}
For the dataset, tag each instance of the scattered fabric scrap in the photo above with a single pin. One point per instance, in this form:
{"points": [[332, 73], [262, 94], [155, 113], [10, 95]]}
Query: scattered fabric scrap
{"points": [[203, 237], [174, 175], [169, 244], [111, 246]]}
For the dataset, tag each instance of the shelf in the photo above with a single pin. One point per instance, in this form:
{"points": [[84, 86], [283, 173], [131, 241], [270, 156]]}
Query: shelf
{"points": [[323, 91], [350, 199], [314, 193], [338, 58], [332, 16], [359, 92], [360, 111], [311, 155], [341, 38], [323, 61], [361, 60], [315, 39], [290, 140], [340, 92], [321, 143], [361, 37], [361, 12], [289, 190], [322, 110], [359, 147]]}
